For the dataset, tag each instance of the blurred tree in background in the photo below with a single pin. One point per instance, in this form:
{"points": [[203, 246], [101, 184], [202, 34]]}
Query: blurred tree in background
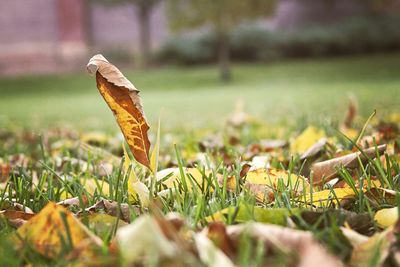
{"points": [[143, 9], [222, 16]]}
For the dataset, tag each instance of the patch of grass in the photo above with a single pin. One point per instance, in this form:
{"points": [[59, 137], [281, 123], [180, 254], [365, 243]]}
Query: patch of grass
{"points": [[56, 165], [283, 91]]}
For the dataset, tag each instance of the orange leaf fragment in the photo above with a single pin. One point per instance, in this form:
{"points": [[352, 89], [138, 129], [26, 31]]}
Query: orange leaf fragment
{"points": [[123, 99]]}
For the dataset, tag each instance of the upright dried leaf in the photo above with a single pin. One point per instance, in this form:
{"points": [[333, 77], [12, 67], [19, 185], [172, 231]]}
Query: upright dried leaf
{"points": [[124, 100], [351, 112]]}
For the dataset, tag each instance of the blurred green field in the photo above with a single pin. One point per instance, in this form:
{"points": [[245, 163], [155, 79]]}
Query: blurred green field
{"points": [[275, 92]]}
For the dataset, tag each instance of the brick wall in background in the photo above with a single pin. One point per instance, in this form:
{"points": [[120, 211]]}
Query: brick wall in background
{"points": [[57, 35]]}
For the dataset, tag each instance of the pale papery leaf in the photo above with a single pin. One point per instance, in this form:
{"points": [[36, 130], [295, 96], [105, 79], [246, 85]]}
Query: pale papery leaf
{"points": [[309, 251], [375, 250], [354, 237], [146, 241], [209, 254]]}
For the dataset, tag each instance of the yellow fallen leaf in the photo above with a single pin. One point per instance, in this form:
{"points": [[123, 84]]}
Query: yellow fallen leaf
{"points": [[174, 177], [92, 186], [54, 229], [271, 178], [306, 139], [350, 133], [156, 151], [394, 117], [325, 197], [387, 217], [135, 187], [263, 182], [102, 223], [230, 182], [95, 137], [123, 99]]}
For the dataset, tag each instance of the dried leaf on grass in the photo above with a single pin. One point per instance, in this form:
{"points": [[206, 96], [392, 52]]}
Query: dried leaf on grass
{"points": [[346, 127], [124, 100], [300, 248], [328, 197], [354, 237], [136, 189], [306, 139], [5, 170], [84, 150], [121, 210], [351, 112], [154, 247], [376, 250], [103, 224], [360, 222], [387, 217], [171, 177], [210, 254], [264, 182], [315, 149], [55, 229], [94, 185], [326, 170], [16, 218], [10, 205], [74, 201], [239, 117]]}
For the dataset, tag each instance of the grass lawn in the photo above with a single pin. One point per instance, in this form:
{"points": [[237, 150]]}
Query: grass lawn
{"points": [[307, 199], [312, 89]]}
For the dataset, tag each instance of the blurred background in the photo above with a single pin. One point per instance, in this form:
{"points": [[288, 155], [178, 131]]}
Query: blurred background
{"points": [[194, 60]]}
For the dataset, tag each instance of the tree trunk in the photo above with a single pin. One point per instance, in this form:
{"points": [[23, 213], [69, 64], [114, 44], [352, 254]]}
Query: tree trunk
{"points": [[144, 35], [88, 23], [224, 61]]}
